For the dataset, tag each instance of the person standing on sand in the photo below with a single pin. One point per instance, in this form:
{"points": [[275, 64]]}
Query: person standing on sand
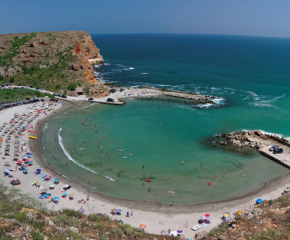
{"points": [[172, 203], [88, 198], [53, 168], [265, 184]]}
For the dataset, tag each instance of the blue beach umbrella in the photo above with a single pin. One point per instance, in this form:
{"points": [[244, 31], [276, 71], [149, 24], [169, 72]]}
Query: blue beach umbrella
{"points": [[30, 162], [259, 200], [29, 154], [119, 210], [56, 199], [56, 180], [38, 170], [25, 170]]}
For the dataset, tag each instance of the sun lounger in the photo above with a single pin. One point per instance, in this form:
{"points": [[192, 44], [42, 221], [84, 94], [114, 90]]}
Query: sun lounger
{"points": [[195, 227]]}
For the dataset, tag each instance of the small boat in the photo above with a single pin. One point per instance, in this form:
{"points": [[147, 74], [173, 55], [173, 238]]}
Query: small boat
{"points": [[125, 157], [33, 137], [148, 180]]}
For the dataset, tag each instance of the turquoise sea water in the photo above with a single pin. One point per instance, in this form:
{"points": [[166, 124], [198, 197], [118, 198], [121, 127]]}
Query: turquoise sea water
{"points": [[251, 74]]}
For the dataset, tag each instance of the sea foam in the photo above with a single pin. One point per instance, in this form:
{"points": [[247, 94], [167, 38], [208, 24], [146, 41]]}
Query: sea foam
{"points": [[73, 160]]}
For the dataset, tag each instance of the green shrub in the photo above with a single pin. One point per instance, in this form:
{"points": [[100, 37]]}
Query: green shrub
{"points": [[1, 78], [127, 229], [62, 75], [58, 85], [11, 79], [20, 217], [71, 87], [72, 213], [138, 234], [36, 235], [94, 217]]}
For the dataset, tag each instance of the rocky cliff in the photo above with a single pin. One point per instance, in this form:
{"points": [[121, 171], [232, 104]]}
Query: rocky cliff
{"points": [[49, 59]]}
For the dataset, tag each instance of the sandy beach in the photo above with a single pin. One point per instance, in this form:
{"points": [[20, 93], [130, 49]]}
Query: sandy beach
{"points": [[156, 216]]}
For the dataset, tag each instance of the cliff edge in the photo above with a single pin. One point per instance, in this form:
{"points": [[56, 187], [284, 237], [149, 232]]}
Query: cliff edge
{"points": [[50, 60]]}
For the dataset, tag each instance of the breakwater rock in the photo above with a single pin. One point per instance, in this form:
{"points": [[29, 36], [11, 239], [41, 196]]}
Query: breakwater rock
{"points": [[255, 139], [196, 97]]}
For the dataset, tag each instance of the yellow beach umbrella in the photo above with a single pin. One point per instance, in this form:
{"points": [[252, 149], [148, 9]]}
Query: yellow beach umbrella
{"points": [[71, 195], [34, 181], [231, 215], [226, 215], [37, 184]]}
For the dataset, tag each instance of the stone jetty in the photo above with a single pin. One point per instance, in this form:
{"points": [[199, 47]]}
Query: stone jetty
{"points": [[259, 141]]}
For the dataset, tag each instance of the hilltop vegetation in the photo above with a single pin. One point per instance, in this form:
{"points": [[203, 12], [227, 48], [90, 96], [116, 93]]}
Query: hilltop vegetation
{"points": [[18, 94], [23, 217], [51, 61]]}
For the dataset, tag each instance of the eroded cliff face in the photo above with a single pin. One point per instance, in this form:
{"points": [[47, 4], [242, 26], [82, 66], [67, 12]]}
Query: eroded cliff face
{"points": [[73, 51], [86, 54]]}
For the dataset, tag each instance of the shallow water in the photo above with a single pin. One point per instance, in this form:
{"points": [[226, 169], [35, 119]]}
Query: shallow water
{"points": [[250, 74]]}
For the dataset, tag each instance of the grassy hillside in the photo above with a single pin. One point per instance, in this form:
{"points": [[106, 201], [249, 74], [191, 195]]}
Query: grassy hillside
{"points": [[21, 216], [18, 94], [50, 60]]}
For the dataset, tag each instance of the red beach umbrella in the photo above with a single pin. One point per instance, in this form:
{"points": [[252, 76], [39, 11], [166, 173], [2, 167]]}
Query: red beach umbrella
{"points": [[142, 226], [207, 215]]}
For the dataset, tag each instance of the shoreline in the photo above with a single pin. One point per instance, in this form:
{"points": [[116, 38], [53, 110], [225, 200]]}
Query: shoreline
{"points": [[155, 215]]}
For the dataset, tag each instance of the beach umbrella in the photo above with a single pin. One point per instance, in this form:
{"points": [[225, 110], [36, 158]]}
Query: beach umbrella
{"points": [[65, 186], [37, 184], [202, 217], [114, 210], [287, 190], [226, 215], [259, 200], [38, 170], [56, 180], [179, 231], [231, 215], [64, 194], [209, 218], [71, 195], [56, 199], [7, 165], [207, 215], [6, 170], [14, 179], [30, 162], [142, 226], [25, 170], [119, 210], [34, 181]]}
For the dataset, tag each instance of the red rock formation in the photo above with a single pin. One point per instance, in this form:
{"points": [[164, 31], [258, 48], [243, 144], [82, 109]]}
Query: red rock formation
{"points": [[86, 53]]}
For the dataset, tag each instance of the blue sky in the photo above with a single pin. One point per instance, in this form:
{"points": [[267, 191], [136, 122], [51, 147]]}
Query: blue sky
{"points": [[234, 17]]}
